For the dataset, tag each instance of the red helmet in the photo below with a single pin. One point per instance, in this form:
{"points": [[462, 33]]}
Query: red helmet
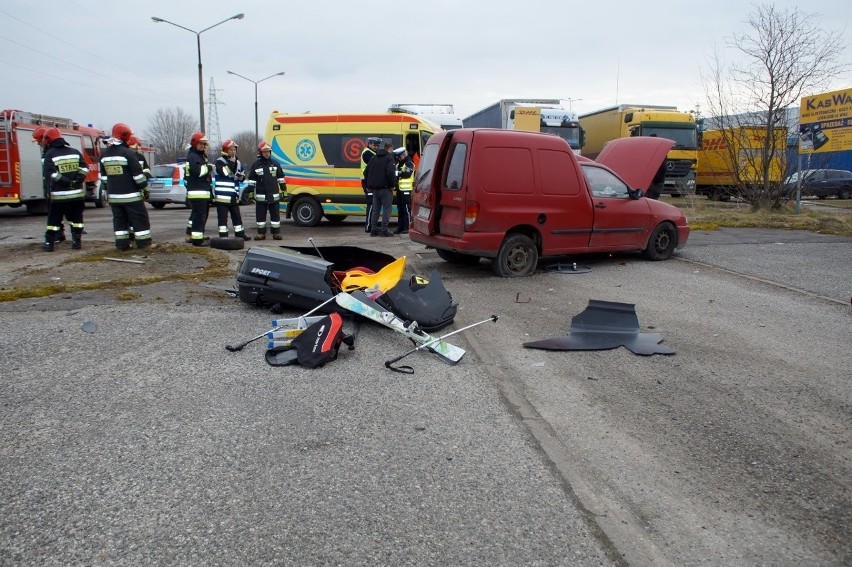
{"points": [[133, 142], [263, 146], [38, 133], [51, 135], [197, 138], [227, 145], [122, 131]]}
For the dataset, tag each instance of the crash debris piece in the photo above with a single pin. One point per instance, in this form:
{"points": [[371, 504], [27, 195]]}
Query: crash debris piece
{"points": [[605, 325]]}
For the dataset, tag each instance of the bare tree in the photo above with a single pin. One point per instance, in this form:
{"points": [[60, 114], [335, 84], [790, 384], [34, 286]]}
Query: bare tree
{"points": [[169, 131], [782, 57]]}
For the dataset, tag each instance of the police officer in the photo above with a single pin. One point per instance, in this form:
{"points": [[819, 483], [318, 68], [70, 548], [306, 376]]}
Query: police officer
{"points": [[229, 174], [198, 173], [127, 188], [266, 179], [65, 171], [404, 185], [366, 155]]}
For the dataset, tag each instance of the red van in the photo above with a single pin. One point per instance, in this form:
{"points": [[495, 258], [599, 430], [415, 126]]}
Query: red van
{"points": [[515, 196]]}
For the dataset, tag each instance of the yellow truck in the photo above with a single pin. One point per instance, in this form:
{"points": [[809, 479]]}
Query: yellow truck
{"points": [[321, 157], [733, 158], [628, 120]]}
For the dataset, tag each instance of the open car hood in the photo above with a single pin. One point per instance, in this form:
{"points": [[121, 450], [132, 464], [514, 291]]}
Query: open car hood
{"points": [[636, 160]]}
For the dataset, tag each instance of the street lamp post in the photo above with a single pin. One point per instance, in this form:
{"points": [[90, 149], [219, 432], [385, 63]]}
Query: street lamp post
{"points": [[256, 132], [198, 41]]}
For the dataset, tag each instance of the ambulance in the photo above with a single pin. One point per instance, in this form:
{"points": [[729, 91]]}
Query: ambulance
{"points": [[321, 157]]}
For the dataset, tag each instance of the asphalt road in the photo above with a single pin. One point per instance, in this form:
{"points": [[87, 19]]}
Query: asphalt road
{"points": [[147, 442]]}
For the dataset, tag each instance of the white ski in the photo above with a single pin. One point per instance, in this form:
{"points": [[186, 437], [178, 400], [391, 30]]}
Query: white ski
{"points": [[357, 302]]}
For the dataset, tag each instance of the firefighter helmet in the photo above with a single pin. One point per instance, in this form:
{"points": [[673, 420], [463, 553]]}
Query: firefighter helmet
{"points": [[264, 147], [133, 142], [38, 133], [121, 131], [197, 138], [51, 135], [227, 145]]}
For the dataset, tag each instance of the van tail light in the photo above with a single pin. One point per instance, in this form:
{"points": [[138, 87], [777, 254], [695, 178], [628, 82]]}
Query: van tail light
{"points": [[471, 212], [176, 176]]}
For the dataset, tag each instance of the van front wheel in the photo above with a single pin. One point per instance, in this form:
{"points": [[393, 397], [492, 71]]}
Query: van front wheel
{"points": [[662, 242], [306, 212], [518, 256]]}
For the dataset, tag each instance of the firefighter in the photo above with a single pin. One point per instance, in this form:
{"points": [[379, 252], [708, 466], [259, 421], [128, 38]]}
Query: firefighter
{"points": [[366, 155], [127, 189], [199, 186], [65, 171], [229, 174], [136, 146], [38, 138], [404, 185], [266, 179]]}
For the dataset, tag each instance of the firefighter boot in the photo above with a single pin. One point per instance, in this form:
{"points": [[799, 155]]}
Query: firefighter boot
{"points": [[261, 234], [242, 234], [76, 243], [276, 234], [49, 238], [61, 236]]}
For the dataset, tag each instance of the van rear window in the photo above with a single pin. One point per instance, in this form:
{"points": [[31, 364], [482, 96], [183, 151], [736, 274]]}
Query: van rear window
{"points": [[455, 169]]}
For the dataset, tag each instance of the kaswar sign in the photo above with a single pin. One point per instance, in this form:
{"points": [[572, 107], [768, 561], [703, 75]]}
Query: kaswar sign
{"points": [[825, 124]]}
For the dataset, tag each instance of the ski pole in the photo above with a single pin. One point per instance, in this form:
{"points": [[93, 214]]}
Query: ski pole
{"points": [[240, 346], [311, 240], [408, 369]]}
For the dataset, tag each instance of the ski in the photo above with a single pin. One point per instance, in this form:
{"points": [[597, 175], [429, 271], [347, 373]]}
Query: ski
{"points": [[357, 302]]}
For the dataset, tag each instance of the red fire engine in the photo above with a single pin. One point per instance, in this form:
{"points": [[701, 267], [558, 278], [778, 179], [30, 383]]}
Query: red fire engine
{"points": [[20, 158]]}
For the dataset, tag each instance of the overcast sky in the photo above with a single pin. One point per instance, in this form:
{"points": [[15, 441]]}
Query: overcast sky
{"points": [[103, 62]]}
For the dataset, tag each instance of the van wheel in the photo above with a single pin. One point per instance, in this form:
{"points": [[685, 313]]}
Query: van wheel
{"points": [[457, 258], [517, 257], [306, 212], [100, 196], [336, 219], [662, 242]]}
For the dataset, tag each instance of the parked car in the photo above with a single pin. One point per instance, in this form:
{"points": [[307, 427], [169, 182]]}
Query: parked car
{"points": [[514, 196], [167, 186], [823, 183]]}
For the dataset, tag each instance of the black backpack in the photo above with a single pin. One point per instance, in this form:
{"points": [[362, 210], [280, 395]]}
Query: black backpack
{"points": [[315, 346]]}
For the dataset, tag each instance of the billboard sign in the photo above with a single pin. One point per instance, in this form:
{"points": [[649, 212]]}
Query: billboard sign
{"points": [[825, 124]]}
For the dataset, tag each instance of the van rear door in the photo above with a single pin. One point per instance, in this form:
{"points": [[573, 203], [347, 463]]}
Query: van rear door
{"points": [[427, 206]]}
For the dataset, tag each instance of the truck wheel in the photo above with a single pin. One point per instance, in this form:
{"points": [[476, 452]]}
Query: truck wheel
{"points": [[457, 258], [662, 242], [517, 257], [307, 212]]}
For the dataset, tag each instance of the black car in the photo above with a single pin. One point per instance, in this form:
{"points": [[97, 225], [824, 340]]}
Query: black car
{"points": [[824, 183]]}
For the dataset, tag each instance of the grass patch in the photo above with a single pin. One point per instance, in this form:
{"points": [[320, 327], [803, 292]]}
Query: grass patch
{"points": [[127, 296], [218, 266], [710, 215]]}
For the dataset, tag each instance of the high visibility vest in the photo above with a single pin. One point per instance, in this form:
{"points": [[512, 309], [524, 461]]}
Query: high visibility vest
{"points": [[406, 184], [364, 162]]}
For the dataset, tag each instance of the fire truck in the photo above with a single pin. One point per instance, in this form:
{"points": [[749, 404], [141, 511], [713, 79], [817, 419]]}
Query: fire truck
{"points": [[20, 158]]}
